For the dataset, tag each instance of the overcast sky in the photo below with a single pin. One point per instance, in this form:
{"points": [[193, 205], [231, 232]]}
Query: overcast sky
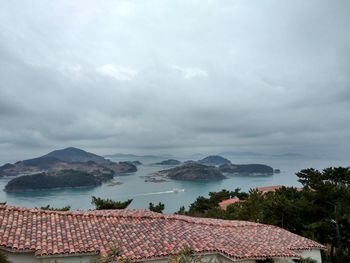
{"points": [[159, 76]]}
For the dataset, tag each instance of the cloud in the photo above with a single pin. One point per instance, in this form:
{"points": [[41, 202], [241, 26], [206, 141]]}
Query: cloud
{"points": [[175, 77], [117, 72], [190, 73]]}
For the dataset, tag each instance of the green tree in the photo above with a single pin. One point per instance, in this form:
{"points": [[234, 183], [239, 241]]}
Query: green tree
{"points": [[157, 208], [3, 258], [48, 207], [328, 194], [182, 211], [252, 209], [101, 204], [114, 254], [185, 256]]}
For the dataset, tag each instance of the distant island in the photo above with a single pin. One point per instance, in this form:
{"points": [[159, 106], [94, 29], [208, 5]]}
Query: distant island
{"points": [[67, 159], [57, 179], [192, 171], [225, 166], [214, 160], [246, 169], [212, 167], [135, 163], [169, 162]]}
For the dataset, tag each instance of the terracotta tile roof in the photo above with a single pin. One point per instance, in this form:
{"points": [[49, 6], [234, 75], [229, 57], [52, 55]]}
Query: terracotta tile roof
{"points": [[272, 188], [141, 234], [223, 204]]}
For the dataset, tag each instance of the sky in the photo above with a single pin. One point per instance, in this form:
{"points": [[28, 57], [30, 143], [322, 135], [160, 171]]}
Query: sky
{"points": [[175, 76]]}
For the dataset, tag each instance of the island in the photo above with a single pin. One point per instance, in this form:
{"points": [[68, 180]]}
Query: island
{"points": [[56, 180], [67, 159], [192, 171], [246, 169], [169, 162], [225, 166]]}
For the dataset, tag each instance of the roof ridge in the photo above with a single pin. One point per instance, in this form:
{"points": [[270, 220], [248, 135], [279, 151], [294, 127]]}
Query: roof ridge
{"points": [[138, 213]]}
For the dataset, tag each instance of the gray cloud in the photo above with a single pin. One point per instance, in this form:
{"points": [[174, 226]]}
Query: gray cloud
{"points": [[183, 76]]}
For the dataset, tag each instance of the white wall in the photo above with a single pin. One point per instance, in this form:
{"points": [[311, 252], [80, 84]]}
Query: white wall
{"points": [[314, 254], [30, 258]]}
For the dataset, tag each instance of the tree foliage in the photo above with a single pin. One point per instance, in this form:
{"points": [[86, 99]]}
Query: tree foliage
{"points": [[156, 208], [48, 207], [113, 255], [3, 258], [320, 211], [101, 204], [186, 255]]}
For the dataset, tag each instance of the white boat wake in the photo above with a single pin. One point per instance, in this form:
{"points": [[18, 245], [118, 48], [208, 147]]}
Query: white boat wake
{"points": [[175, 190]]}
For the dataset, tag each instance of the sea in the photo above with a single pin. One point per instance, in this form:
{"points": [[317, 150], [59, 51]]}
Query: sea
{"points": [[172, 193]]}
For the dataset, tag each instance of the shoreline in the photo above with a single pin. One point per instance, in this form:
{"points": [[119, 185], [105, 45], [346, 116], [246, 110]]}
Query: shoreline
{"points": [[54, 188]]}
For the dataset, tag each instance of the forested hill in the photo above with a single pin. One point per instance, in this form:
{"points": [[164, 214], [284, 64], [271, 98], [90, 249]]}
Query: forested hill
{"points": [[60, 179], [72, 154]]}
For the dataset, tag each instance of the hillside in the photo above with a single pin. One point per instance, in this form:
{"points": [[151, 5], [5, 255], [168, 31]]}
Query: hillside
{"points": [[73, 155], [214, 160], [60, 179]]}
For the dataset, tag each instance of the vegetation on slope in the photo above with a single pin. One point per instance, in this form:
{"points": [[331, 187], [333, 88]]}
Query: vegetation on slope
{"points": [[214, 160], [59, 179], [193, 171]]}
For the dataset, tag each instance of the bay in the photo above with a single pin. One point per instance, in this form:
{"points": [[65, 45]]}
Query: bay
{"points": [[134, 186]]}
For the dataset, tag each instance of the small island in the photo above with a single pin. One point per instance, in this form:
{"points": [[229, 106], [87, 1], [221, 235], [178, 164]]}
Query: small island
{"points": [[169, 162], [58, 179], [193, 171], [135, 162], [246, 169]]}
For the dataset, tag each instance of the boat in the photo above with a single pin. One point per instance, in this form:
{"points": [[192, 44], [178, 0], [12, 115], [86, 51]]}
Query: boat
{"points": [[178, 190]]}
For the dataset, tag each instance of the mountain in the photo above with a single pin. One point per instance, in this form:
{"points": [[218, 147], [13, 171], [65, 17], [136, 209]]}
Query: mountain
{"points": [[67, 159], [214, 160], [193, 171], [41, 162], [75, 155]]}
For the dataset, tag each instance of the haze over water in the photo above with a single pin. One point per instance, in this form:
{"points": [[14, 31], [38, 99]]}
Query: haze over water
{"points": [[143, 193]]}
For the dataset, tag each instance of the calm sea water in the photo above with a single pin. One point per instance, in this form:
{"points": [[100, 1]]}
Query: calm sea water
{"points": [[143, 193]]}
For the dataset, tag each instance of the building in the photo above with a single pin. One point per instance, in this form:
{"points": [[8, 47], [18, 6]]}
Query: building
{"points": [[224, 204], [272, 188], [34, 235]]}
